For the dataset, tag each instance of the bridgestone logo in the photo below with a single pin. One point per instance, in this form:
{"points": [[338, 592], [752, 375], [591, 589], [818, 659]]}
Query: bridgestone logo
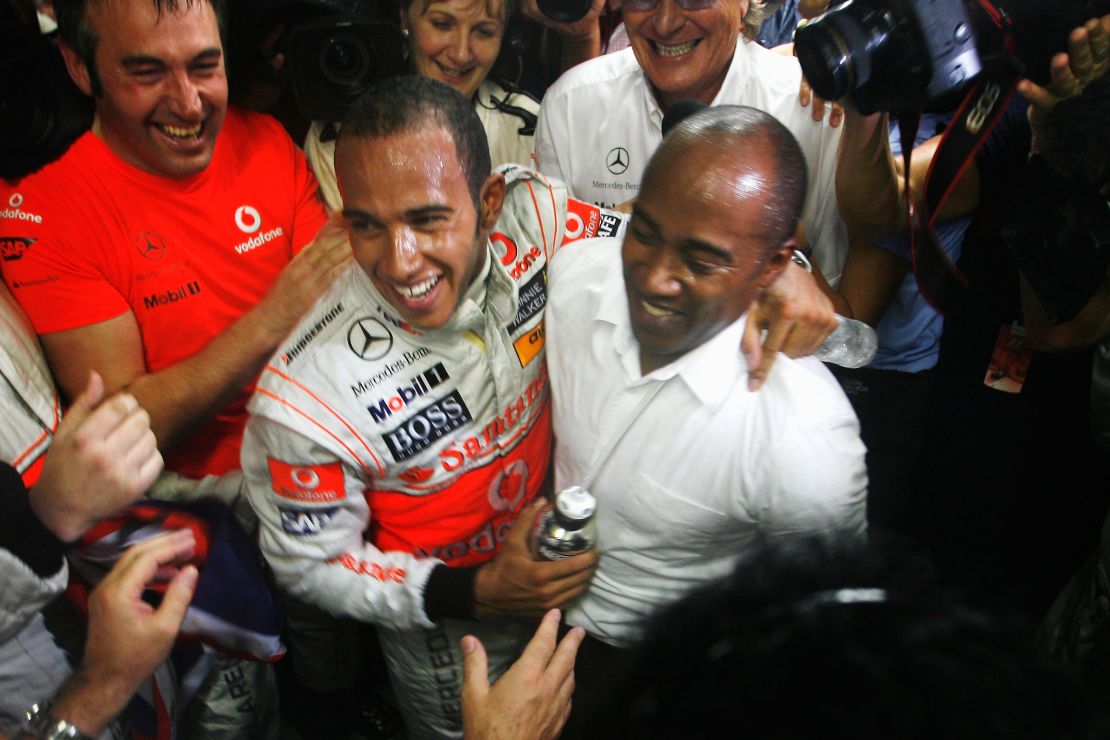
{"points": [[21, 216], [291, 353], [257, 241]]}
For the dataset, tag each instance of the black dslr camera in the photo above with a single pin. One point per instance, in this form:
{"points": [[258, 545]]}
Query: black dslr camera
{"points": [[333, 49], [903, 55]]}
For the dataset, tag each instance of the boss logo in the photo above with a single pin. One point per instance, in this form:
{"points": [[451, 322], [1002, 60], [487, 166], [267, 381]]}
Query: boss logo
{"points": [[427, 426]]}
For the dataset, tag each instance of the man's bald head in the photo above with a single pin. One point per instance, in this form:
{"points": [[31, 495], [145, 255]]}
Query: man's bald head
{"points": [[730, 152], [712, 227]]}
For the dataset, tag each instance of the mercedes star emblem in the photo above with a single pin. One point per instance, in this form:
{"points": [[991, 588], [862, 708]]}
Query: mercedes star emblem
{"points": [[617, 160], [150, 245], [369, 339]]}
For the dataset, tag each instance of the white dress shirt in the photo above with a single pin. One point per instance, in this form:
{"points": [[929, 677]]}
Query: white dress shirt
{"points": [[705, 468], [600, 123]]}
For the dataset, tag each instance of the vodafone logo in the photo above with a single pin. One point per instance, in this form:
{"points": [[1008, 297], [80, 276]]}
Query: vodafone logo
{"points": [[16, 200], [575, 226], [310, 484], [247, 219], [508, 488], [306, 478]]}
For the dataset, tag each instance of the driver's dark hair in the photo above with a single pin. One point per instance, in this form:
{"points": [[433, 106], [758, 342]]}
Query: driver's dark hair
{"points": [[76, 31], [408, 103]]}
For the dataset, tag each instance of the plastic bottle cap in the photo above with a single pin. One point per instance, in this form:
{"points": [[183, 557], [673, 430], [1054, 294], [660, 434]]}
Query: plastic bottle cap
{"points": [[575, 503]]}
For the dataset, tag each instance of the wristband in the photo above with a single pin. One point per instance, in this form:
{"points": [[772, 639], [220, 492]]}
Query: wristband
{"points": [[799, 258], [38, 722]]}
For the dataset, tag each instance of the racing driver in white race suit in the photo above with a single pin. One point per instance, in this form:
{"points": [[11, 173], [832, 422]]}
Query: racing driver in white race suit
{"points": [[404, 425]]}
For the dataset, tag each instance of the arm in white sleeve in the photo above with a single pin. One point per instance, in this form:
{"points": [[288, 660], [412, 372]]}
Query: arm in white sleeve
{"points": [[312, 514], [816, 482]]}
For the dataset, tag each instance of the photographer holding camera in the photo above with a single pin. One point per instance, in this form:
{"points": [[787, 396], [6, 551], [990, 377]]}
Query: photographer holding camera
{"points": [[458, 42], [981, 510]]}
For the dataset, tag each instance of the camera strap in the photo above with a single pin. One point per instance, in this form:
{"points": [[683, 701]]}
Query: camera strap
{"points": [[938, 279]]}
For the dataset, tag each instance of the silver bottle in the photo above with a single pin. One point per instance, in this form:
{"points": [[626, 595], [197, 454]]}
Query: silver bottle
{"points": [[566, 527]]}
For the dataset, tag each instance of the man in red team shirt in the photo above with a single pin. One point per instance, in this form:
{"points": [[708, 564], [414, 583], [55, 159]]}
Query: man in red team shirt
{"points": [[159, 249]]}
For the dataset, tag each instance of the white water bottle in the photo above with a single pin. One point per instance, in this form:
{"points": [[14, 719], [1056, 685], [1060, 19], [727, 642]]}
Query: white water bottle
{"points": [[852, 344]]}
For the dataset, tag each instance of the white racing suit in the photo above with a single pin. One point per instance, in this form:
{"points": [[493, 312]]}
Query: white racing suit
{"points": [[32, 666], [377, 452]]}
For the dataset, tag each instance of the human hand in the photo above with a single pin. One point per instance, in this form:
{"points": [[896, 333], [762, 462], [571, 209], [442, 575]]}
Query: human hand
{"points": [[820, 105], [532, 699], [584, 28], [305, 278], [128, 638], [798, 317], [516, 583], [104, 456], [1087, 59]]}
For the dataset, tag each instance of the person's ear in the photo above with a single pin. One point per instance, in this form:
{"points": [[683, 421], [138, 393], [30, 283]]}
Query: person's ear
{"points": [[490, 200], [78, 70], [776, 263]]}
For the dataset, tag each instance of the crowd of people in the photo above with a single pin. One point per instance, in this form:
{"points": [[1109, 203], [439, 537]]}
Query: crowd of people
{"points": [[280, 383]]}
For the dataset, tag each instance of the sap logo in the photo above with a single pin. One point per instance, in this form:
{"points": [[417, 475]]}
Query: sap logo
{"points": [[305, 521], [406, 394], [188, 290], [427, 426], [13, 247]]}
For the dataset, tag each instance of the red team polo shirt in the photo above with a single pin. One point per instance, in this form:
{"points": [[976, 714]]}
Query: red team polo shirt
{"points": [[90, 237]]}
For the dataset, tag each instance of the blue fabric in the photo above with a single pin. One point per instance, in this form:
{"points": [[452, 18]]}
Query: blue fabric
{"points": [[909, 332], [779, 28]]}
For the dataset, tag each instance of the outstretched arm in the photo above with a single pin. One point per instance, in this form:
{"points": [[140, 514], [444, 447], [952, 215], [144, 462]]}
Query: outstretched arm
{"points": [[185, 395], [128, 638]]}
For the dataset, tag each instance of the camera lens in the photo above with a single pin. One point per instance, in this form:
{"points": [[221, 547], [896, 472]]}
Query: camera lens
{"points": [[834, 51], [565, 11], [344, 60]]}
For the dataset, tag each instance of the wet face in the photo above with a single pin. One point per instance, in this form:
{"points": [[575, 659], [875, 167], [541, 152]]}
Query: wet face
{"points": [[163, 88], [454, 41], [412, 221], [694, 256], [685, 53]]}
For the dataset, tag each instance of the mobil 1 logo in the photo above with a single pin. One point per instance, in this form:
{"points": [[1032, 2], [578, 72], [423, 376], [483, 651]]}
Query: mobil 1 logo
{"points": [[426, 426], [384, 408]]}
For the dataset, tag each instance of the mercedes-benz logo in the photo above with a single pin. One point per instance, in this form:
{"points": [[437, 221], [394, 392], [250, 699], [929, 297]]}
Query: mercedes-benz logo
{"points": [[151, 245], [369, 339], [617, 160]]}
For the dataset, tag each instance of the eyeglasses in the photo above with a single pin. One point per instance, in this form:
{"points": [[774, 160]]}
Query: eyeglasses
{"points": [[652, 4]]}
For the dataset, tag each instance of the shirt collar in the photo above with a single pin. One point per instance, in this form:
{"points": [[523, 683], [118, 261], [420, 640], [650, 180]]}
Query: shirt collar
{"points": [[709, 370], [737, 70]]}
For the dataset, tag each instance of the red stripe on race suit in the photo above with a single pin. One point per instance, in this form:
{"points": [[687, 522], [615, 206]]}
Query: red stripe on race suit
{"points": [[466, 522]]}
